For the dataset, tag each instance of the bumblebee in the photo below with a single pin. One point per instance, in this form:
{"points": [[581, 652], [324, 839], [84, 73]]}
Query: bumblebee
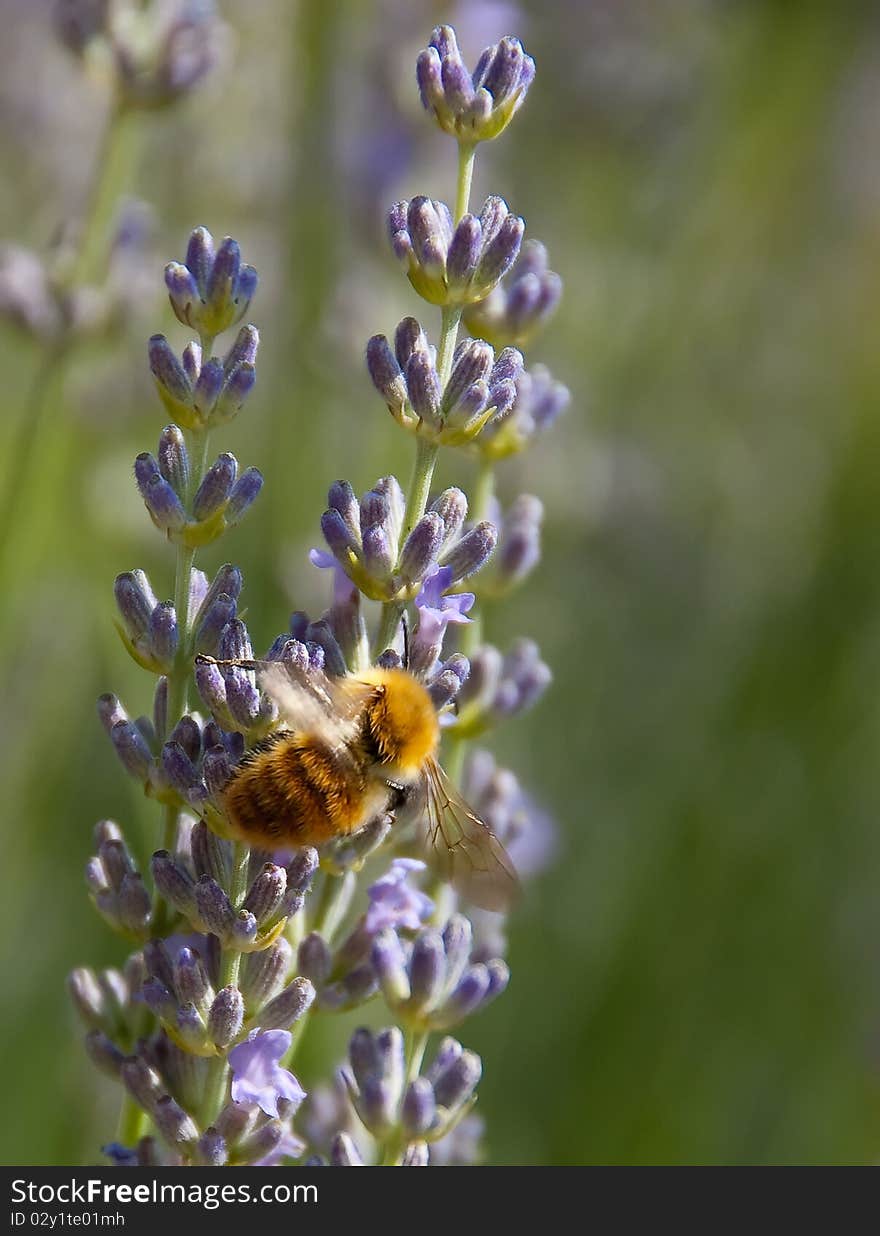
{"points": [[348, 750]]}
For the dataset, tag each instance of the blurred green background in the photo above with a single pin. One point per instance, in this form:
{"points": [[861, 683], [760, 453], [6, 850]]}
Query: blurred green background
{"points": [[697, 979]]}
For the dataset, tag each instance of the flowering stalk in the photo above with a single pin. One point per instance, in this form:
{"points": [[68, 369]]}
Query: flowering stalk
{"points": [[234, 954], [79, 293]]}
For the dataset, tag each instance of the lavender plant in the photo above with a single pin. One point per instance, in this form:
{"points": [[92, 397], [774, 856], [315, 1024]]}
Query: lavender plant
{"points": [[237, 950]]}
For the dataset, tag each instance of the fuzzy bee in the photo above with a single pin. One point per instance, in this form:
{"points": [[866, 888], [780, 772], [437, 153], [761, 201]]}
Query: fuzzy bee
{"points": [[348, 750]]}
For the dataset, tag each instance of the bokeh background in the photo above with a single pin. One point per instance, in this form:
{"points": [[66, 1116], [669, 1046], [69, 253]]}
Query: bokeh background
{"points": [[696, 980]]}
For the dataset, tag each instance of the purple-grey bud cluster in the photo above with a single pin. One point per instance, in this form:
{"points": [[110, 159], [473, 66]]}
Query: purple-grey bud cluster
{"points": [[413, 1114], [432, 983], [233, 694], [204, 392], [115, 884], [158, 51], [473, 107], [516, 310], [481, 389], [449, 263], [526, 830], [519, 546], [540, 401], [218, 503], [363, 536], [210, 290], [500, 686], [38, 296]]}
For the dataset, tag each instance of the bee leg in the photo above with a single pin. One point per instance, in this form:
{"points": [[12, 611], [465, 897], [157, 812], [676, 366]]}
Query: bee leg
{"points": [[398, 796]]}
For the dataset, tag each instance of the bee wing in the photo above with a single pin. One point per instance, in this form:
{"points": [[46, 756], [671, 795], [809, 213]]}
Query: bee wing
{"points": [[313, 702], [465, 850]]}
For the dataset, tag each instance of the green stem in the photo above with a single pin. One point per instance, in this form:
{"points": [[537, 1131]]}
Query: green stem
{"points": [[466, 155], [427, 451], [132, 1122]]}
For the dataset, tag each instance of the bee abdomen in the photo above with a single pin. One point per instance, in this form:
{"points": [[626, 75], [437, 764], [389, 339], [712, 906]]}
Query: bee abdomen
{"points": [[296, 789]]}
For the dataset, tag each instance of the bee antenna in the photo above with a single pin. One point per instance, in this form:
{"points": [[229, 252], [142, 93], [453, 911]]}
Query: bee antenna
{"points": [[405, 625]]}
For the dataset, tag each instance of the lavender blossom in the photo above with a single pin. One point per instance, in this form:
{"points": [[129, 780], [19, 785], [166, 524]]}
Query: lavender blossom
{"points": [[473, 107], [454, 264], [362, 536], [540, 400], [481, 388], [514, 311], [156, 51], [257, 1075]]}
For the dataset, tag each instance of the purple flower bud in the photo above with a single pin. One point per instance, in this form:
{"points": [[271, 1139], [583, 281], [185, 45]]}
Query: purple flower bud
{"points": [[244, 350], [211, 1149], [165, 508], [88, 999], [344, 1153], [240, 381], [301, 869], [419, 1110], [157, 963], [263, 972], [179, 769], [426, 969], [471, 552], [173, 459], [223, 277], [386, 374], [192, 361], [142, 1083], [314, 959], [164, 635], [409, 338], [104, 1053], [378, 552], [208, 387], [183, 292], [173, 882], [173, 1123], [191, 979], [226, 1016], [210, 627], [473, 363], [288, 1006], [214, 907], [390, 965], [423, 385], [159, 1000], [132, 749], [464, 251], [135, 601], [421, 547], [215, 487], [244, 930], [200, 258], [456, 1084], [172, 381], [338, 535], [501, 252], [266, 893], [133, 905]]}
